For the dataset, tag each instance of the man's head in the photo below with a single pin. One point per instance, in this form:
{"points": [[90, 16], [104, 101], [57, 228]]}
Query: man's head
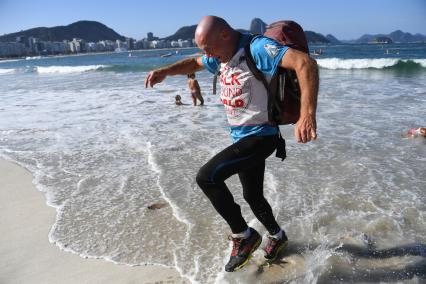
{"points": [[216, 38], [191, 76]]}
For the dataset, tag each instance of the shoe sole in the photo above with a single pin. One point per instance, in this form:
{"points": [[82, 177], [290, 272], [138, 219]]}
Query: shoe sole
{"points": [[280, 249], [250, 255]]}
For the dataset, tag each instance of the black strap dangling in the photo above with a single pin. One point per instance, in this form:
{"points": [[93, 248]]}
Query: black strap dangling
{"points": [[281, 152]]}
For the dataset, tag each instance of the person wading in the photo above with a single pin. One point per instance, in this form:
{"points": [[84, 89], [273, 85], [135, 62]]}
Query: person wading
{"points": [[254, 137], [195, 89]]}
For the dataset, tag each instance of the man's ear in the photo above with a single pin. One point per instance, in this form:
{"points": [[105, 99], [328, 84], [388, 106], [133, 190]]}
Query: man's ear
{"points": [[224, 34]]}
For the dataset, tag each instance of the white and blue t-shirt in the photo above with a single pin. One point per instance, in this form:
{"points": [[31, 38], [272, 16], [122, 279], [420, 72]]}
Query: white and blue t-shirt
{"points": [[245, 97]]}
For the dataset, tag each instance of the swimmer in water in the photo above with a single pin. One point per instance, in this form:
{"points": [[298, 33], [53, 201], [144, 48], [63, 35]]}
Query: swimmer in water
{"points": [[178, 101], [416, 132]]}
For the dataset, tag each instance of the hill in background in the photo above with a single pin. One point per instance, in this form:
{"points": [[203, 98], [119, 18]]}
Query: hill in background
{"points": [[88, 30], [93, 31], [396, 36], [184, 33]]}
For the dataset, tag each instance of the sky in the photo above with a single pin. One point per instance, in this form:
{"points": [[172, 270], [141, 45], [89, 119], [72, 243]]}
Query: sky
{"points": [[131, 18]]}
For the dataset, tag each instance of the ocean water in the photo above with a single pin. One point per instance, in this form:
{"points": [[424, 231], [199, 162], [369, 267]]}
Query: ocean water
{"points": [[102, 148]]}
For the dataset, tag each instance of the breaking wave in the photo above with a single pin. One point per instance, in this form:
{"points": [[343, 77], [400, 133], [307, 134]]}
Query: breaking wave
{"points": [[7, 71], [77, 69], [66, 69], [376, 63]]}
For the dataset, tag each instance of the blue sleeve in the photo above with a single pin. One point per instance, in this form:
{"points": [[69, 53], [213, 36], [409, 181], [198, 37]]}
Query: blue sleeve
{"points": [[210, 63], [267, 53]]}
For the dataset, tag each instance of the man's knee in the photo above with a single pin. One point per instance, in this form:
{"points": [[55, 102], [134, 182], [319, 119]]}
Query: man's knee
{"points": [[202, 177], [207, 185]]}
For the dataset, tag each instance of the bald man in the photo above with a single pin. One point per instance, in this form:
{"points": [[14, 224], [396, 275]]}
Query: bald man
{"points": [[254, 137]]}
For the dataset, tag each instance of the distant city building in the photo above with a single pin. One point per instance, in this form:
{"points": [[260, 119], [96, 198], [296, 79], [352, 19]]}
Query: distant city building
{"points": [[184, 43], [140, 44], [181, 43], [119, 44], [130, 42], [257, 26], [33, 45], [150, 36], [23, 40], [9, 49], [174, 43], [155, 44], [77, 45], [30, 46], [91, 47], [105, 45]]}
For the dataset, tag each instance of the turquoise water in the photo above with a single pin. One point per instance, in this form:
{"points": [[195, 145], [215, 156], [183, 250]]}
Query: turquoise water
{"points": [[102, 148]]}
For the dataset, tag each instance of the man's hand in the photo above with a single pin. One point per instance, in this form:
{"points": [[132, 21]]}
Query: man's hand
{"points": [[182, 67], [154, 77], [307, 73], [306, 129]]}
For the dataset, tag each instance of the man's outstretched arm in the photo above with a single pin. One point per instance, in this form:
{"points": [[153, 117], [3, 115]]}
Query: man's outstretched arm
{"points": [[307, 73], [183, 67]]}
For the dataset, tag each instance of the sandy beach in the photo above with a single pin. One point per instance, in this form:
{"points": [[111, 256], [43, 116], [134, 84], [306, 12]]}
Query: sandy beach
{"points": [[27, 255]]}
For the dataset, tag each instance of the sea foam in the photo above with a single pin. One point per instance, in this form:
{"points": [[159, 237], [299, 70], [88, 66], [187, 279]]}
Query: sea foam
{"points": [[367, 63], [7, 71], [67, 69]]}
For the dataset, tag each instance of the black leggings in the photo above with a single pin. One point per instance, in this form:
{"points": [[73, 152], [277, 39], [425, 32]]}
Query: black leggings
{"points": [[247, 158]]}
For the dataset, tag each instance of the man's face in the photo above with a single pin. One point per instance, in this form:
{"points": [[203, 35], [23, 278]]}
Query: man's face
{"points": [[216, 47]]}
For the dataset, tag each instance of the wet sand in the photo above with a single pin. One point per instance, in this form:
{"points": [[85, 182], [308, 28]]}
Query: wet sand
{"points": [[29, 257]]}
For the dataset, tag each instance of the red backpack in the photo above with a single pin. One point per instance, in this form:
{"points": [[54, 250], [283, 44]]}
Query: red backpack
{"points": [[283, 90]]}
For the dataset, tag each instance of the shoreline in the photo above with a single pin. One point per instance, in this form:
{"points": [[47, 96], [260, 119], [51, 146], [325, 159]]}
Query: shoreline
{"points": [[29, 257]]}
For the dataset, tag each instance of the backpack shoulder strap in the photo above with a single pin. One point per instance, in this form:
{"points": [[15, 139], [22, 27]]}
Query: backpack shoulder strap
{"points": [[270, 87], [252, 65]]}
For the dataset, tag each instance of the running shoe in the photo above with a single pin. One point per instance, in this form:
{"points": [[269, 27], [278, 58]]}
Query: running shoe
{"points": [[274, 246], [242, 250]]}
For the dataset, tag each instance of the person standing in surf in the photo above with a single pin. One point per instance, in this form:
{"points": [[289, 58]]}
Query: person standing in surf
{"points": [[254, 137], [195, 89]]}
